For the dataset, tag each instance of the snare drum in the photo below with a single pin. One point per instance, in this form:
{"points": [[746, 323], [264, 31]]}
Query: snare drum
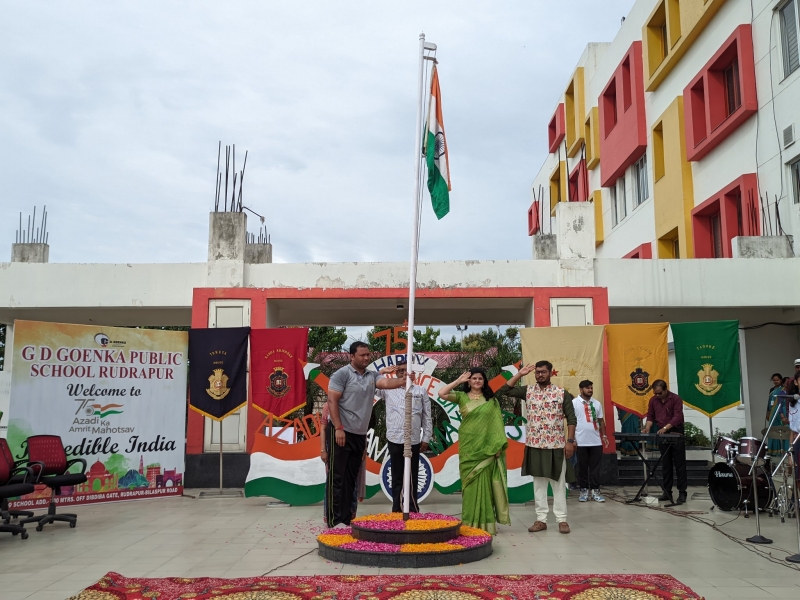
{"points": [[726, 448], [749, 451]]}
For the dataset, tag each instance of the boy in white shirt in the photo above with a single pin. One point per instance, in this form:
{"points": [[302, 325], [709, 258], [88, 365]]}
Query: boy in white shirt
{"points": [[591, 437]]}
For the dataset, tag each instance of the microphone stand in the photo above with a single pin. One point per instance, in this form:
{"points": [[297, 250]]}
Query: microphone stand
{"points": [[758, 538]]}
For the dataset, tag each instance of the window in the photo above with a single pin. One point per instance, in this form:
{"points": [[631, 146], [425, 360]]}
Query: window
{"points": [[627, 91], [789, 35], [716, 234], [795, 169], [722, 95], [658, 152], [674, 19], [610, 106], [676, 248], [640, 192], [733, 93], [622, 203], [614, 212], [729, 213]]}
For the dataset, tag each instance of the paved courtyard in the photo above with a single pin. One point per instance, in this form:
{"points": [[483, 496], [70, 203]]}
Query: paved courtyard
{"points": [[191, 537]]}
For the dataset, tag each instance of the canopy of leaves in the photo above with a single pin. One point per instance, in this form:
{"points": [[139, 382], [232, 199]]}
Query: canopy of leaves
{"points": [[326, 339]]}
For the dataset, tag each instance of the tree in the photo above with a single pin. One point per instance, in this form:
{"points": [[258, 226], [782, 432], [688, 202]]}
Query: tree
{"points": [[481, 341], [427, 340], [326, 339], [449, 346]]}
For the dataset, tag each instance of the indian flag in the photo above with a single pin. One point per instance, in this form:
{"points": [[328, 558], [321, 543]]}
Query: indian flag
{"points": [[436, 152]]}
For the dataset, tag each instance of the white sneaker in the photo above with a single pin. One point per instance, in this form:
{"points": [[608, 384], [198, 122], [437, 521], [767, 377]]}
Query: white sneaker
{"points": [[597, 497], [340, 526], [584, 496]]}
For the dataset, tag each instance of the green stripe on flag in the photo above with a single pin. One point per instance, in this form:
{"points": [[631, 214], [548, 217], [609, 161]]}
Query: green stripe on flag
{"points": [[296, 495], [437, 186]]}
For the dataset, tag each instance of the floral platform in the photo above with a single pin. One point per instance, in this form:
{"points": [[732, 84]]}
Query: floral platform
{"points": [[386, 540]]}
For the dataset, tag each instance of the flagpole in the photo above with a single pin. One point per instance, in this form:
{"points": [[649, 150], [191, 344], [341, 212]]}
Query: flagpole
{"points": [[412, 280]]}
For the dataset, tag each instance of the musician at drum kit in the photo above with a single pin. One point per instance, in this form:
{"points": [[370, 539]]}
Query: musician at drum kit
{"points": [[666, 410]]}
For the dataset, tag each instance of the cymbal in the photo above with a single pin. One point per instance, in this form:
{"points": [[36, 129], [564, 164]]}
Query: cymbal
{"points": [[778, 432]]}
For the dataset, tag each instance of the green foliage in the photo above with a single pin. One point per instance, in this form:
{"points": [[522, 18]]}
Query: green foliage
{"points": [[695, 436], [450, 346], [736, 434], [427, 340], [326, 339]]}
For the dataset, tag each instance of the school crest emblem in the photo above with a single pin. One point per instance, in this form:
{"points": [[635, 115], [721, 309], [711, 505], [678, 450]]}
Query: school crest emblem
{"points": [[218, 384], [278, 383], [708, 385], [640, 382]]}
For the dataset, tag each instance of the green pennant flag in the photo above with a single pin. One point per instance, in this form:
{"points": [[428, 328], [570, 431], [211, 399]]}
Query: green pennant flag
{"points": [[707, 361]]}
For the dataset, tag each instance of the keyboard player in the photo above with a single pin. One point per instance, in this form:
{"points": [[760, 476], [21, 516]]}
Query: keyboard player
{"points": [[666, 411]]}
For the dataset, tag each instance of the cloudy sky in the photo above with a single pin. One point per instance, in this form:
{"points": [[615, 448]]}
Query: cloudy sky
{"points": [[110, 114]]}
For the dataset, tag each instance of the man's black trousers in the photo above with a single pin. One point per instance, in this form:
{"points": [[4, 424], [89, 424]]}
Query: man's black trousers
{"points": [[398, 469], [674, 455], [344, 463], [589, 458]]}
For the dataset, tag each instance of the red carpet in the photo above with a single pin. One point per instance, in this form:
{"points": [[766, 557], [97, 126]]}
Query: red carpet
{"points": [[407, 587]]}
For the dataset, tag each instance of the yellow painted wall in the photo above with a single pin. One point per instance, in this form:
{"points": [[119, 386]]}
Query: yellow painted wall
{"points": [[685, 20], [558, 178], [672, 189], [575, 112], [599, 234], [592, 135]]}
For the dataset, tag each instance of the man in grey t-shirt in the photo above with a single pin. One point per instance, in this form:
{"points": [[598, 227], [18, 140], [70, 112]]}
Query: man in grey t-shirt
{"points": [[350, 395]]}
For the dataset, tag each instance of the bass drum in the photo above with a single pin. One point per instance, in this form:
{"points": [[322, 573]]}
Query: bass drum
{"points": [[730, 485]]}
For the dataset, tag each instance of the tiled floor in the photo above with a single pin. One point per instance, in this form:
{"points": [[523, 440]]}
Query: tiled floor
{"points": [[243, 537]]}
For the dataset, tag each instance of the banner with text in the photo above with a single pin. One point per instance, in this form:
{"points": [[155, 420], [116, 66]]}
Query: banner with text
{"points": [[115, 396]]}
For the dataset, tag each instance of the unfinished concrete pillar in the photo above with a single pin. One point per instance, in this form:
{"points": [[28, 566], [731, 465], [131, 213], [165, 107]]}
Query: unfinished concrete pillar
{"points": [[227, 233], [258, 254], [30, 253]]}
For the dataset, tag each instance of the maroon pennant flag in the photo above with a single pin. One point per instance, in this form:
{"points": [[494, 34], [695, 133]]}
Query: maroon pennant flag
{"points": [[277, 358]]}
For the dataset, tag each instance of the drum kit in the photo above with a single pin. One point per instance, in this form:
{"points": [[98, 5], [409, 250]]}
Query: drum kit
{"points": [[731, 483], [744, 480]]}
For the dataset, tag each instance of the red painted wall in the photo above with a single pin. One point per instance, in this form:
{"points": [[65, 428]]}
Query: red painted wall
{"points": [[259, 299], [742, 192], [643, 251], [556, 129], [706, 120], [623, 143]]}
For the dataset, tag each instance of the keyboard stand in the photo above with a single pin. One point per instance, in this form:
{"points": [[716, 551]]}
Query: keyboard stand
{"points": [[651, 473]]}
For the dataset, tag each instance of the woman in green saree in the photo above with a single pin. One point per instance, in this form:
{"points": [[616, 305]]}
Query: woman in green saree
{"points": [[482, 447]]}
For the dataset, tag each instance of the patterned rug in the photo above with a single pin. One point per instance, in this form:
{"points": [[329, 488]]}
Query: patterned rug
{"points": [[406, 587]]}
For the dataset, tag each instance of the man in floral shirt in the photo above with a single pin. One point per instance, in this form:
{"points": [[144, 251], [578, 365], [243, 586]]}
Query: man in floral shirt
{"points": [[547, 449]]}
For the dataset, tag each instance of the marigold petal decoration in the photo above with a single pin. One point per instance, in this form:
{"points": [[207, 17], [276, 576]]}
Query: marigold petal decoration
{"points": [[442, 547], [336, 540]]}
